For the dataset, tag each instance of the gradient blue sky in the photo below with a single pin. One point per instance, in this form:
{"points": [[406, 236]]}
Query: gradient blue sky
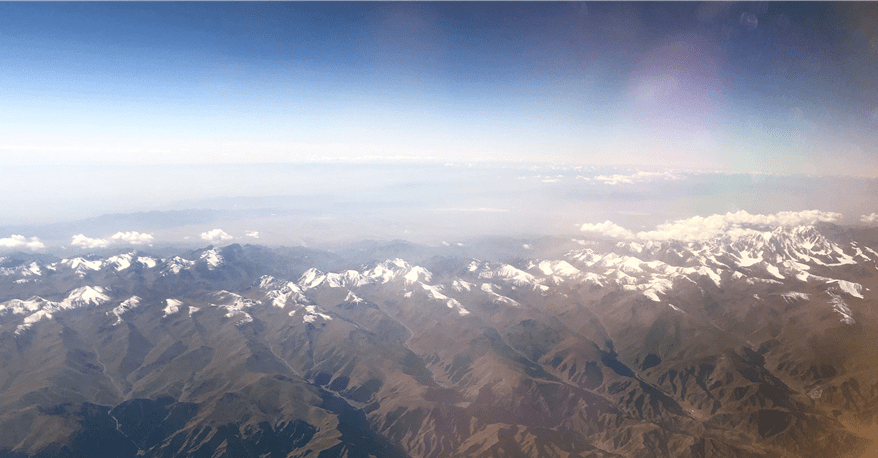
{"points": [[750, 87]]}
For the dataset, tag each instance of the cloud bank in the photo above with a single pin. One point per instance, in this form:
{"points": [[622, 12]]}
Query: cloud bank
{"points": [[215, 235], [252, 234], [699, 228], [132, 238], [638, 177], [871, 218], [20, 241]]}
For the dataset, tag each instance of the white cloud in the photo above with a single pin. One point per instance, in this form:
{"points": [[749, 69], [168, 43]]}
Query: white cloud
{"points": [[82, 241], [252, 234], [20, 241], [614, 179], [608, 229], [871, 218], [638, 177], [133, 237], [215, 235], [703, 228]]}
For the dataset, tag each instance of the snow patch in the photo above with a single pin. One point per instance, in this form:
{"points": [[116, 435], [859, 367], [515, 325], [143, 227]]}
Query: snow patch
{"points": [[172, 306], [794, 296], [560, 268], [313, 314], [460, 285], [840, 307], [235, 305], [351, 297], [854, 289], [773, 270]]}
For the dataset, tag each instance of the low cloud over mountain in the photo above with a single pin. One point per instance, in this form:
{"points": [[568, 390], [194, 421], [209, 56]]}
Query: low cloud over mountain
{"points": [[20, 241], [215, 235], [133, 237]]}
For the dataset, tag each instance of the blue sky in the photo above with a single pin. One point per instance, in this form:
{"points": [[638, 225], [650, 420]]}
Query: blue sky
{"points": [[767, 87]]}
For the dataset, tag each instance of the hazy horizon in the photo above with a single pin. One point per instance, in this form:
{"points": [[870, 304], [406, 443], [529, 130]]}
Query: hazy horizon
{"points": [[424, 203]]}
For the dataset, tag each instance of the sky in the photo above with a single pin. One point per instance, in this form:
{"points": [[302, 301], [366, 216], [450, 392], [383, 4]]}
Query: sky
{"points": [[425, 120], [748, 87]]}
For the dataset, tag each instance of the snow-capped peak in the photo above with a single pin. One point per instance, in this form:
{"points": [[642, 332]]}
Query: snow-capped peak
{"points": [[176, 264], [120, 262], [506, 273], [212, 258], [82, 266], [85, 296], [559, 268]]}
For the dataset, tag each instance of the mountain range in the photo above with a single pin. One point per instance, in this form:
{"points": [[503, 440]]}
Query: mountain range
{"points": [[754, 343]]}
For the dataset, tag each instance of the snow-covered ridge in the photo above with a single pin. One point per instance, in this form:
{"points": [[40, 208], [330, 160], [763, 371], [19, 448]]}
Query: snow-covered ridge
{"points": [[37, 308], [82, 266], [435, 293], [496, 297], [484, 270], [794, 296], [31, 269], [631, 273], [414, 280], [380, 273], [127, 305], [840, 307], [280, 292], [772, 257], [777, 262]]}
